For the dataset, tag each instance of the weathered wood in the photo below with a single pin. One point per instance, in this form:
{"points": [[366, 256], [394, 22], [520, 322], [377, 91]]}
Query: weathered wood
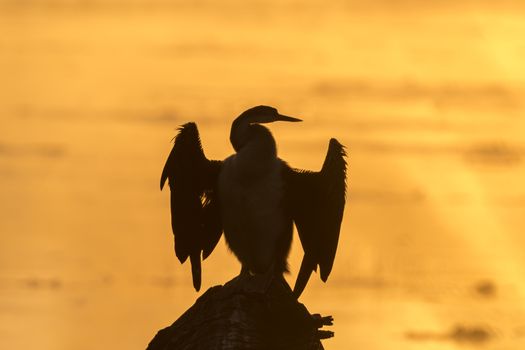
{"points": [[245, 313]]}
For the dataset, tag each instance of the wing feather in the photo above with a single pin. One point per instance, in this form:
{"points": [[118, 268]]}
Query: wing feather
{"points": [[195, 211], [316, 201]]}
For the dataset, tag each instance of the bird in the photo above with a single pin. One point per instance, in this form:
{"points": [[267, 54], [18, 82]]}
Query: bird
{"points": [[255, 198]]}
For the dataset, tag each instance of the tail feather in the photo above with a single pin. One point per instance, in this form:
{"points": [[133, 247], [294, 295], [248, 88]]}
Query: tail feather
{"points": [[195, 260], [307, 266]]}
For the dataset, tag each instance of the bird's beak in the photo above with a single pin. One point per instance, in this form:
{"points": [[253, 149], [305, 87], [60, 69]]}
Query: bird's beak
{"points": [[285, 118]]}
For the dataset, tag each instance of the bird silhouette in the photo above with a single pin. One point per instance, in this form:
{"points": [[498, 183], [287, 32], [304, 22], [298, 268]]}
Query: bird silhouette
{"points": [[255, 198]]}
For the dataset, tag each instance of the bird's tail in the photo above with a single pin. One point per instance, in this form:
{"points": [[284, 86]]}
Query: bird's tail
{"points": [[307, 266], [195, 260]]}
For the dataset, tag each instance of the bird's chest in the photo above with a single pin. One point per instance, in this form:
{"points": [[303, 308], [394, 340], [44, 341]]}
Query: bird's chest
{"points": [[252, 205]]}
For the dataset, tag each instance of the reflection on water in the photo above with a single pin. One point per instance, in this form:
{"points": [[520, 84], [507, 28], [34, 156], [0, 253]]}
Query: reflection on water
{"points": [[428, 99]]}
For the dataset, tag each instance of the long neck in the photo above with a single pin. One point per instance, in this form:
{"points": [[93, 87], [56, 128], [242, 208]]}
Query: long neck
{"points": [[252, 138], [255, 137], [256, 150], [239, 132]]}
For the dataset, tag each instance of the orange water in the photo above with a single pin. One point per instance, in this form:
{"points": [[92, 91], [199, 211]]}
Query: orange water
{"points": [[427, 98]]}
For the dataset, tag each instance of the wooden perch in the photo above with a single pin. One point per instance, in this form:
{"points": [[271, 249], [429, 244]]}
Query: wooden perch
{"points": [[245, 313]]}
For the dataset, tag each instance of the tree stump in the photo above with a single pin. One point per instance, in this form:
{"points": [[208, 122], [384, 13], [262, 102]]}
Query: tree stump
{"points": [[246, 313]]}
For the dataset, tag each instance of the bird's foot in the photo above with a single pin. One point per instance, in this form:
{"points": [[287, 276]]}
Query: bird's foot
{"points": [[268, 278], [258, 283]]}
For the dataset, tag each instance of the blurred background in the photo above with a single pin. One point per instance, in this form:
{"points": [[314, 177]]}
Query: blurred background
{"points": [[427, 96]]}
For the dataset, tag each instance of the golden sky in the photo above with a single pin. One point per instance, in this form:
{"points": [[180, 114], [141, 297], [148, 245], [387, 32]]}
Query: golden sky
{"points": [[427, 97]]}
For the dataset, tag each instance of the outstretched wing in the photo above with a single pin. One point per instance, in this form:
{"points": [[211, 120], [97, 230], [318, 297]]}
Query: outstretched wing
{"points": [[316, 201], [195, 212]]}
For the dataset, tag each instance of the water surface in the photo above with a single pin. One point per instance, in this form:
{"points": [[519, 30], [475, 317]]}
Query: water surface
{"points": [[428, 99]]}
